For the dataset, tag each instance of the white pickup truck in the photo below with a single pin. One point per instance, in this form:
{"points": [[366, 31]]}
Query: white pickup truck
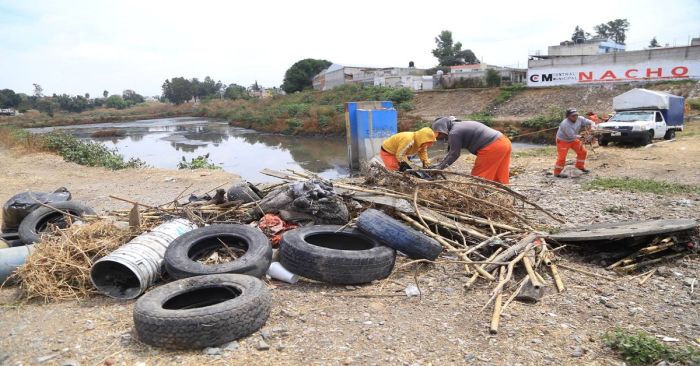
{"points": [[643, 115]]}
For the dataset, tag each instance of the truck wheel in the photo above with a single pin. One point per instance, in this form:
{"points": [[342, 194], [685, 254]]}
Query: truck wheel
{"points": [[647, 138], [670, 134], [603, 141]]}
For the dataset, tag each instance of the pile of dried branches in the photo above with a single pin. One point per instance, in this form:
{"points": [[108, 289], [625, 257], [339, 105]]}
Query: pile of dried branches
{"points": [[58, 268]]}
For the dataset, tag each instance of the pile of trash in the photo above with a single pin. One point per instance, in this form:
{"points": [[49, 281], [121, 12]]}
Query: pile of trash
{"points": [[216, 248]]}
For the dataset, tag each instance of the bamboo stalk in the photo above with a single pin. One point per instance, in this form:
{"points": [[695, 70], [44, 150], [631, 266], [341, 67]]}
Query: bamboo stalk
{"points": [[515, 293], [531, 272], [586, 272], [496, 316], [647, 277], [555, 273], [473, 278]]}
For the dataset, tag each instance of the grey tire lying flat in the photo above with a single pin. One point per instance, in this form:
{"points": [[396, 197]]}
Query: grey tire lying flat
{"points": [[329, 253], [202, 311]]}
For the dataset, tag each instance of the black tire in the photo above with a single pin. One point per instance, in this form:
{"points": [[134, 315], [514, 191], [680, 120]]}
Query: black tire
{"points": [[202, 311], [37, 221], [182, 254], [328, 254], [394, 234], [670, 134], [647, 138], [242, 192], [603, 141]]}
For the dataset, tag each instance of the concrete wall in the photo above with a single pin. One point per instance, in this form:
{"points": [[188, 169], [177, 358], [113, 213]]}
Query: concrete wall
{"points": [[653, 64], [588, 48]]}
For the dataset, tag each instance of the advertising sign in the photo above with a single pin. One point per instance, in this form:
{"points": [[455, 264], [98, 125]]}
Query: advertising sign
{"points": [[619, 72]]}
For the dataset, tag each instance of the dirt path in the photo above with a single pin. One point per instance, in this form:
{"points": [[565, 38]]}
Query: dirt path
{"points": [[313, 323]]}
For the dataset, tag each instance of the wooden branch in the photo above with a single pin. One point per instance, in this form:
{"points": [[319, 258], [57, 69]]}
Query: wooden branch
{"points": [[496, 316], [514, 250]]}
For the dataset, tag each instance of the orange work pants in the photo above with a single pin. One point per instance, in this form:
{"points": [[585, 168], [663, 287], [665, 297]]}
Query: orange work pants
{"points": [[563, 149], [390, 161], [493, 161]]}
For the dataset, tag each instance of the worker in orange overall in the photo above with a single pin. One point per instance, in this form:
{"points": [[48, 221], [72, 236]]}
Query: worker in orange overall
{"points": [[568, 138], [492, 148], [397, 148]]}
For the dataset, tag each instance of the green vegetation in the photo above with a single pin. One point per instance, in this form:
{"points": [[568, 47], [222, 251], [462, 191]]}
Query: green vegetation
{"points": [[493, 78], [86, 152], [307, 111], [200, 162], [483, 117], [694, 104], [641, 185], [69, 147], [449, 53], [300, 75], [551, 119], [643, 349], [507, 92]]}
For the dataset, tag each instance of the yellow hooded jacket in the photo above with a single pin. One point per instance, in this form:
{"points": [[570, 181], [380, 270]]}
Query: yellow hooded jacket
{"points": [[404, 144]]}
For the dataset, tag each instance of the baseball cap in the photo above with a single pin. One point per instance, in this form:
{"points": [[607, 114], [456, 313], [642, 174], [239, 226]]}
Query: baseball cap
{"points": [[571, 111]]}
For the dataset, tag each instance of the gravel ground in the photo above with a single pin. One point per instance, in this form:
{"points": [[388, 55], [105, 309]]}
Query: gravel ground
{"points": [[376, 324]]}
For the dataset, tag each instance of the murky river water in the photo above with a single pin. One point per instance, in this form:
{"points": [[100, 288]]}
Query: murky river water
{"points": [[163, 142]]}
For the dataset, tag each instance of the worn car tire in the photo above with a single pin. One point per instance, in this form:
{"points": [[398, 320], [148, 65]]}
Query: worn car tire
{"points": [[394, 234], [182, 254], [603, 141], [202, 311], [670, 134], [647, 138], [33, 224], [329, 253]]}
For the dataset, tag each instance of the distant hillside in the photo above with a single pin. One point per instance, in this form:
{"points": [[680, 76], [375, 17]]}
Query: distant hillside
{"points": [[529, 102]]}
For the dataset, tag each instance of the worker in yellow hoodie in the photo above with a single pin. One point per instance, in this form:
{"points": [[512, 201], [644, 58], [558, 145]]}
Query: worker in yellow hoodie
{"points": [[397, 148]]}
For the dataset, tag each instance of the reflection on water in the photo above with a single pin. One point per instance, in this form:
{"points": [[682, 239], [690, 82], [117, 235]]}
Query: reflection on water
{"points": [[163, 142]]}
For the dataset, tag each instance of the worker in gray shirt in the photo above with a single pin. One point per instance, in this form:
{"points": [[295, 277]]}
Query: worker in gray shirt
{"points": [[568, 138], [492, 148]]}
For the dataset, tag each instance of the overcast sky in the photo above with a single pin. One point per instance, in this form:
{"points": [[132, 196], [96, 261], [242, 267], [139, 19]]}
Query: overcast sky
{"points": [[76, 47]]}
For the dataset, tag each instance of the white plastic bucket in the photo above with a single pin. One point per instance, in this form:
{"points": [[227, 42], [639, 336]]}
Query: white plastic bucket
{"points": [[278, 272]]}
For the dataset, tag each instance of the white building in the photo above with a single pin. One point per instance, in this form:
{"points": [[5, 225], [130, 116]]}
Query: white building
{"points": [[408, 77], [588, 47]]}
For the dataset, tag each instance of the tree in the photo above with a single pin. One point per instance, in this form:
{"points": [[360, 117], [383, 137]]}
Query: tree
{"points": [[615, 30], [116, 101], [87, 95], [235, 91], [38, 91], [178, 90], [301, 74], [105, 94], [449, 54], [579, 33], [411, 64], [132, 97], [654, 43], [209, 88], [493, 78], [9, 99]]}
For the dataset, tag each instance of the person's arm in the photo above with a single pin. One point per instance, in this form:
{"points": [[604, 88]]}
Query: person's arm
{"points": [[423, 154], [404, 145], [455, 145], [585, 122]]}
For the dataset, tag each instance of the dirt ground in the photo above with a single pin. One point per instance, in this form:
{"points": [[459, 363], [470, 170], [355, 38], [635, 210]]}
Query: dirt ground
{"points": [[319, 324]]}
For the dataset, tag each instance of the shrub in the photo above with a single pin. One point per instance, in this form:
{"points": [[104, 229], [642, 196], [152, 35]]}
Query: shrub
{"points": [[199, 162], [493, 78], [405, 106], [551, 119], [297, 110], [293, 124], [87, 152], [483, 117], [643, 349]]}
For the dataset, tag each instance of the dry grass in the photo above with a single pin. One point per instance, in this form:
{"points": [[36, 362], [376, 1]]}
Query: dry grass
{"points": [[20, 140], [59, 267]]}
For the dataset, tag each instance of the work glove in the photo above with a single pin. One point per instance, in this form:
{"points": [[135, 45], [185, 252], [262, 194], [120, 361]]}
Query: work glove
{"points": [[403, 166]]}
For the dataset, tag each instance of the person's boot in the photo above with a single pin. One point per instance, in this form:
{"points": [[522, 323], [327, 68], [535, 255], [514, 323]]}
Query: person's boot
{"points": [[585, 171]]}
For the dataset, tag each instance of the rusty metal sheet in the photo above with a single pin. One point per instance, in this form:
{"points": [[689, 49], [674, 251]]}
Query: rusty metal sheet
{"points": [[621, 230]]}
